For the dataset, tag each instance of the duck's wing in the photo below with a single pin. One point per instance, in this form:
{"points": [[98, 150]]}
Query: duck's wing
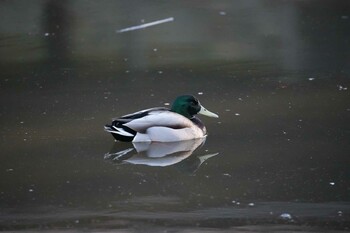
{"points": [[140, 114], [159, 119]]}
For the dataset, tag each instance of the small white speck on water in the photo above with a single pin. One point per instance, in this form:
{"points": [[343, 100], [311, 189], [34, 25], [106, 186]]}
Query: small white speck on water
{"points": [[46, 34], [76, 221], [251, 204], [237, 114], [166, 104], [155, 49], [235, 202], [22, 122], [31, 190], [340, 213], [332, 183], [222, 13], [9, 170], [240, 99], [200, 93], [160, 72], [227, 110], [127, 71], [311, 79]]}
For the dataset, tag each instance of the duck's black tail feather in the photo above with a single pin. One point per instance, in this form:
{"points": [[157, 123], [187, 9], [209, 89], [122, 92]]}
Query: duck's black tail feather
{"points": [[120, 132]]}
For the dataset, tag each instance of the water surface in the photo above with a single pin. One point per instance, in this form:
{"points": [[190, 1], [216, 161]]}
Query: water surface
{"points": [[276, 160]]}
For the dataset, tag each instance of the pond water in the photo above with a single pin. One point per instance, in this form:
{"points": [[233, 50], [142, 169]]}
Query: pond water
{"points": [[276, 72]]}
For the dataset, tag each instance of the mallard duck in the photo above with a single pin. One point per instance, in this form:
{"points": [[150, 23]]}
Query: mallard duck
{"points": [[161, 124]]}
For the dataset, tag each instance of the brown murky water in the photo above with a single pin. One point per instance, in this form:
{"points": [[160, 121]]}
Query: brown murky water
{"points": [[276, 160]]}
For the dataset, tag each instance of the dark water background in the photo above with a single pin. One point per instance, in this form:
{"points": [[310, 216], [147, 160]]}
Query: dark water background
{"points": [[277, 73]]}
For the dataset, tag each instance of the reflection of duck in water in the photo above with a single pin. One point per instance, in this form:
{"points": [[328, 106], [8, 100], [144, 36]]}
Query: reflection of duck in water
{"points": [[162, 124], [161, 154]]}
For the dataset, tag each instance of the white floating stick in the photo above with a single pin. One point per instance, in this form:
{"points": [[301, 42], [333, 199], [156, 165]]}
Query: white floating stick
{"points": [[146, 25]]}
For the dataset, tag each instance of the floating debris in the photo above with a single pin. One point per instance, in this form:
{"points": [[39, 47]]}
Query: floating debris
{"points": [[311, 79], [332, 183], [286, 216], [222, 13], [142, 26], [342, 88], [251, 204]]}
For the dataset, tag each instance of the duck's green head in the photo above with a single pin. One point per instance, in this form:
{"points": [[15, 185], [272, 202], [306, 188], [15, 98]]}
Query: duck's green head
{"points": [[188, 106]]}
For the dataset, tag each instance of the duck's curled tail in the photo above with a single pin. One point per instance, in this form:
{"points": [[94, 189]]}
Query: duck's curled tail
{"points": [[120, 132]]}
